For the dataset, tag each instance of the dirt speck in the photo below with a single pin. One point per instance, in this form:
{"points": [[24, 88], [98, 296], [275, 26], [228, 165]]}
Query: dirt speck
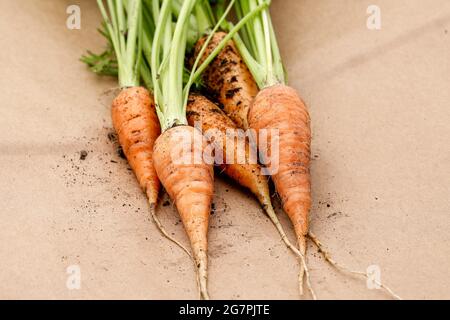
{"points": [[121, 153], [112, 137], [83, 155]]}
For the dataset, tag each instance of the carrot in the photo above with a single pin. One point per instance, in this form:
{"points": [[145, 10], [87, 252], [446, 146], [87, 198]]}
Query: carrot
{"points": [[178, 152], [189, 183], [137, 126], [276, 107], [279, 107], [190, 186], [235, 86], [229, 79], [219, 130]]}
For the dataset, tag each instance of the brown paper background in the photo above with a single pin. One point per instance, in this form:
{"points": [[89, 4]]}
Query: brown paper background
{"points": [[380, 104]]}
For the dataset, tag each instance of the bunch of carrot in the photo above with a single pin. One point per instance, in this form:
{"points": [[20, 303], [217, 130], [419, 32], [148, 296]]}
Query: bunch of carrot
{"points": [[149, 43]]}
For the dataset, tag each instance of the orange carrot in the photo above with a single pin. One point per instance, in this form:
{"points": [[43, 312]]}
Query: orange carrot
{"points": [[190, 185], [137, 126], [280, 107]]}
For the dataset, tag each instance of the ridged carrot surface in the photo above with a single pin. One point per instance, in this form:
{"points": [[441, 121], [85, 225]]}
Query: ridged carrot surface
{"points": [[280, 107], [189, 181], [137, 126]]}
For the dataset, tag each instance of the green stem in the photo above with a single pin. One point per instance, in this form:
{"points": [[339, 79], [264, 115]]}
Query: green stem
{"points": [[259, 46], [168, 65], [204, 22], [271, 79], [134, 21], [118, 21], [160, 15]]}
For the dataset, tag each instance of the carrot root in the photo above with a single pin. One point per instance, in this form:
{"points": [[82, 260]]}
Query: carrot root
{"points": [[202, 266], [344, 269], [163, 231], [301, 253], [137, 126]]}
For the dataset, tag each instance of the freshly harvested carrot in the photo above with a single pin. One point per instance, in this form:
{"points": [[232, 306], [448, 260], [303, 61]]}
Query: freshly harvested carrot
{"points": [[133, 110], [235, 84], [223, 133], [229, 79], [137, 126], [279, 107], [191, 186], [179, 152]]}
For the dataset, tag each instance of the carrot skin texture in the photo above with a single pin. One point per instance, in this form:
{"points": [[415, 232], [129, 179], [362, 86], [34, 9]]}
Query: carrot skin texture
{"points": [[202, 111], [137, 126], [190, 186], [280, 107], [229, 79]]}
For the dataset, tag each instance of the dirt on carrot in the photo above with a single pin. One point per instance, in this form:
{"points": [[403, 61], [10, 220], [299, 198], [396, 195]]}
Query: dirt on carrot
{"points": [[229, 80]]}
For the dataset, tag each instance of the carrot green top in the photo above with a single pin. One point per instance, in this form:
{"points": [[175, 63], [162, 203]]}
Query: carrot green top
{"points": [[148, 40], [258, 45], [192, 18], [122, 21]]}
